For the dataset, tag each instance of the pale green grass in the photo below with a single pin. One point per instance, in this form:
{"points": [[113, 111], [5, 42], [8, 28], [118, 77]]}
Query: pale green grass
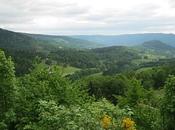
{"points": [[143, 69], [68, 70]]}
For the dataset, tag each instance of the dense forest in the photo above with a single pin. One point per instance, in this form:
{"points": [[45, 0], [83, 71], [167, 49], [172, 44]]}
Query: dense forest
{"points": [[45, 87]]}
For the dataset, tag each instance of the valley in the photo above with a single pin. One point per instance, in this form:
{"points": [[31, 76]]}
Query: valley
{"points": [[50, 82]]}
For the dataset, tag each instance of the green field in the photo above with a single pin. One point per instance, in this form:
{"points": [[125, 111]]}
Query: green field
{"points": [[68, 70]]}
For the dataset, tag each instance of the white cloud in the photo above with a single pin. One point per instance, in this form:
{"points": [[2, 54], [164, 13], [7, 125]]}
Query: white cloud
{"points": [[88, 16]]}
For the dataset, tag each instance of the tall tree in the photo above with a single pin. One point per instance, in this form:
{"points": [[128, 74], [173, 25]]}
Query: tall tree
{"points": [[7, 83]]}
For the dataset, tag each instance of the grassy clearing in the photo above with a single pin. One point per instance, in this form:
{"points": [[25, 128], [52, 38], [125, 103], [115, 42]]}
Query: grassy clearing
{"points": [[68, 70]]}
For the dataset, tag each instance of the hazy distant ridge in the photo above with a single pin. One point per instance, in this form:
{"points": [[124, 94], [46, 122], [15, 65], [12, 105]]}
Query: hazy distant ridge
{"points": [[129, 39]]}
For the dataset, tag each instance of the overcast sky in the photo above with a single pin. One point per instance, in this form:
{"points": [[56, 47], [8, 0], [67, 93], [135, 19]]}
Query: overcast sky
{"points": [[71, 17]]}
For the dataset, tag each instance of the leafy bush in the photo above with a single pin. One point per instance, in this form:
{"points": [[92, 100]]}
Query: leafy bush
{"points": [[168, 105]]}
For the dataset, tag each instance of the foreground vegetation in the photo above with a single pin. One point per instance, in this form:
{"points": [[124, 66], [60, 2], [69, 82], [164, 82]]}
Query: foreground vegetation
{"points": [[44, 99]]}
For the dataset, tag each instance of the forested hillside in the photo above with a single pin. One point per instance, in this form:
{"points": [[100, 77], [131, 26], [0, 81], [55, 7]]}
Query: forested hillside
{"points": [[66, 41], [44, 99], [158, 47], [17, 41], [26, 49], [24, 41], [47, 87]]}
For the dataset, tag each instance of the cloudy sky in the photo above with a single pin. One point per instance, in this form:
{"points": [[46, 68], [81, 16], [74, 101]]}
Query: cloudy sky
{"points": [[71, 17]]}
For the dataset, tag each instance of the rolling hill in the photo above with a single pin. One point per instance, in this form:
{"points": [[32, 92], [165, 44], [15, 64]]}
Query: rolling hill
{"points": [[65, 41], [65, 50], [158, 46], [23, 41], [17, 41], [9, 39], [61, 50]]}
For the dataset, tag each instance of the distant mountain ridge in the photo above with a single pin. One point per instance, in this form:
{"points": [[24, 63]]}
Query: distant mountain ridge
{"points": [[24, 41], [37, 42], [128, 39]]}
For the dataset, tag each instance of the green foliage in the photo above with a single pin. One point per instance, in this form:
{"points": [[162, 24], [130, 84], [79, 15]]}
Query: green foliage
{"points": [[45, 99], [147, 117], [133, 95], [76, 58], [107, 86], [24, 60], [107, 60], [101, 58], [7, 87], [153, 77], [168, 105], [44, 83], [85, 117]]}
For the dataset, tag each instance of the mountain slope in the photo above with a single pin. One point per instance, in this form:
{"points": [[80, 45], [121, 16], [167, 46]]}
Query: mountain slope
{"points": [[155, 50], [65, 41], [128, 39], [158, 46], [17, 41], [23, 41]]}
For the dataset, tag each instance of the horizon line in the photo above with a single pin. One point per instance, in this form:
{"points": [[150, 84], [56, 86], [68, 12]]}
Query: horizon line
{"points": [[142, 33]]}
